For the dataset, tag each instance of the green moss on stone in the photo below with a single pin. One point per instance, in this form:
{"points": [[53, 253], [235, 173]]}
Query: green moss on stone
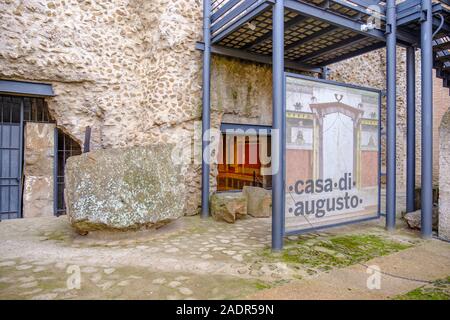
{"points": [[339, 251], [438, 290]]}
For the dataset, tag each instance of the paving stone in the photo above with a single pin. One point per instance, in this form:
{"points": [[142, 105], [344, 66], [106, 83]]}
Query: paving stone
{"points": [[24, 267], [25, 279], [29, 285], [238, 257], [61, 265], [89, 270], [109, 270], [123, 283], [185, 291], [242, 270], [34, 291], [325, 250], [106, 285], [45, 296], [7, 280], [174, 284], [159, 281], [7, 263], [39, 269], [96, 277]]}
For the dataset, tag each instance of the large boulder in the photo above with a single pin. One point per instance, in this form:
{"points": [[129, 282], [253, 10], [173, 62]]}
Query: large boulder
{"points": [[228, 206], [123, 189], [413, 219], [259, 201]]}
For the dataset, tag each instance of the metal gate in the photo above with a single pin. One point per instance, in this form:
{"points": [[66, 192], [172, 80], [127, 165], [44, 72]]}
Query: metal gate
{"points": [[11, 132]]}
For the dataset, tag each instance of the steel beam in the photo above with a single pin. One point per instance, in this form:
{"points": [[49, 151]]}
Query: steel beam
{"points": [[356, 53], [235, 12], [23, 88], [331, 18], [407, 4], [310, 38], [290, 24], [417, 16], [360, 6], [244, 55], [206, 106], [239, 22], [410, 129], [426, 40], [391, 66], [278, 127], [344, 43], [224, 9]]}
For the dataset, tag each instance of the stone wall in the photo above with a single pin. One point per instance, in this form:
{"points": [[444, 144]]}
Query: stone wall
{"points": [[129, 69], [441, 105], [444, 177], [38, 169]]}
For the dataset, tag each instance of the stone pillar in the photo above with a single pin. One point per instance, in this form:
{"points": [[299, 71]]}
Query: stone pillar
{"points": [[444, 177], [38, 169]]}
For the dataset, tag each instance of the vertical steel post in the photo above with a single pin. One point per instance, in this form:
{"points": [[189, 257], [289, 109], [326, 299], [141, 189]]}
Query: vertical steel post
{"points": [[324, 73], [410, 128], [206, 106], [427, 118], [87, 140], [55, 171], [391, 65], [21, 160], [277, 125]]}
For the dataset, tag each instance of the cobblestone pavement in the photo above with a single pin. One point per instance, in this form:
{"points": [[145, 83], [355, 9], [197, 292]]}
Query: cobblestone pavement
{"points": [[190, 258]]}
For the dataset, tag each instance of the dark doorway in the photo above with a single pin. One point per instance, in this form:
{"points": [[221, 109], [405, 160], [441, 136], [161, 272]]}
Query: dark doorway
{"points": [[66, 147], [239, 158], [10, 157]]}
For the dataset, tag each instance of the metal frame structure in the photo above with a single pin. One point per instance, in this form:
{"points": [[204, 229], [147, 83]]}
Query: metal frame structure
{"points": [[308, 35]]}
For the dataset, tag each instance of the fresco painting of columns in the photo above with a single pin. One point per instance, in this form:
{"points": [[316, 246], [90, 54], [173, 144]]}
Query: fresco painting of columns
{"points": [[332, 154]]}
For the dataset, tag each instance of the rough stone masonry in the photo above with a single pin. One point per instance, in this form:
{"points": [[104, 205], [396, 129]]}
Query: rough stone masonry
{"points": [[129, 69]]}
